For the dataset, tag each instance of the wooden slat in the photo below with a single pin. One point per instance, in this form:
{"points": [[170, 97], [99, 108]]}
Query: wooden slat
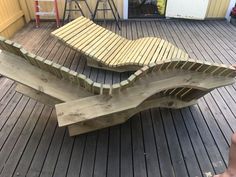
{"points": [[66, 27], [142, 56], [83, 33], [171, 52], [121, 51], [74, 30], [123, 57], [155, 56], [167, 51], [162, 52], [141, 47], [106, 47], [138, 44], [103, 46], [150, 55], [82, 38], [119, 42], [89, 38], [87, 49], [109, 35]]}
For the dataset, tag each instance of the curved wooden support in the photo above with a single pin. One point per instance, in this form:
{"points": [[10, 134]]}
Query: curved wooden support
{"points": [[176, 81], [128, 100]]}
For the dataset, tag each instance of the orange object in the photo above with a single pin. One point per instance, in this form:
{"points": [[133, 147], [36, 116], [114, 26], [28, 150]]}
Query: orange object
{"points": [[39, 13]]}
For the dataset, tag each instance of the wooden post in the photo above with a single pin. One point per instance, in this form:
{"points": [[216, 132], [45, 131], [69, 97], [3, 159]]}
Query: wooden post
{"points": [[23, 5]]}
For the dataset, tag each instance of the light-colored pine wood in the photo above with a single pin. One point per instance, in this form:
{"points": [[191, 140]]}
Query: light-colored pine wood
{"points": [[81, 35], [67, 34], [155, 56], [37, 95], [107, 46], [171, 52], [140, 58], [111, 50], [89, 47], [166, 53], [152, 52], [95, 48], [103, 45], [124, 56], [163, 49], [119, 42], [60, 31], [119, 53], [88, 39], [137, 45]]}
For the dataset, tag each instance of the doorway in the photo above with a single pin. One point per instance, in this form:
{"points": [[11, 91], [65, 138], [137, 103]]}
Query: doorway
{"points": [[146, 8]]}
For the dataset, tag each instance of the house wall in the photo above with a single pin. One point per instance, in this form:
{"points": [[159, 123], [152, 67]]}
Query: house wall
{"points": [[12, 17], [217, 8], [15, 13], [47, 6]]}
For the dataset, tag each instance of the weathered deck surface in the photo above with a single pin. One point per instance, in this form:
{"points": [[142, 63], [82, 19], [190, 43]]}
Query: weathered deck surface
{"points": [[163, 143]]}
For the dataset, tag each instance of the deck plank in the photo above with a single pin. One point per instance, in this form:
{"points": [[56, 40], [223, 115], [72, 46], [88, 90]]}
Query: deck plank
{"points": [[32, 145], [15, 154], [163, 151]]}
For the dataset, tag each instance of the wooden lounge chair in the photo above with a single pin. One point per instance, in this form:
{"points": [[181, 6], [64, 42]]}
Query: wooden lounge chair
{"points": [[105, 49], [84, 105]]}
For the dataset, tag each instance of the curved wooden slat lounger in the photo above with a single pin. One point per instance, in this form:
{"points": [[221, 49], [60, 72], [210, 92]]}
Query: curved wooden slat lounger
{"points": [[84, 105], [105, 49]]}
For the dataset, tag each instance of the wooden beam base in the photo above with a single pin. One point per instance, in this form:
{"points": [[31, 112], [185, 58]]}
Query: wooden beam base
{"points": [[36, 95], [96, 124]]}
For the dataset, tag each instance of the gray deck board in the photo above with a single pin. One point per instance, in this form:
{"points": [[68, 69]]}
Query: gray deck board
{"points": [[192, 142]]}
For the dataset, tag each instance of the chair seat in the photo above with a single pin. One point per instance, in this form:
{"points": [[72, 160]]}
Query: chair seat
{"points": [[104, 48]]}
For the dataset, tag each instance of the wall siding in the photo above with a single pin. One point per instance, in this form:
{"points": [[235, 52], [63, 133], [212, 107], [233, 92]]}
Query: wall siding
{"points": [[15, 13], [11, 17], [217, 8], [47, 6]]}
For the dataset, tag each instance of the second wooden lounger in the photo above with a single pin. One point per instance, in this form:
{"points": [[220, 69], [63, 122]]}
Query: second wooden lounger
{"points": [[105, 49]]}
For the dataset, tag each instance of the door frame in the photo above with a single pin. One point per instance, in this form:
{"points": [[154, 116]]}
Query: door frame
{"points": [[125, 9]]}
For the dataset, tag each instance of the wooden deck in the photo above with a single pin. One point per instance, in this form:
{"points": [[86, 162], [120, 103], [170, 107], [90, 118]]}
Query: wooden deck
{"points": [[156, 143]]}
